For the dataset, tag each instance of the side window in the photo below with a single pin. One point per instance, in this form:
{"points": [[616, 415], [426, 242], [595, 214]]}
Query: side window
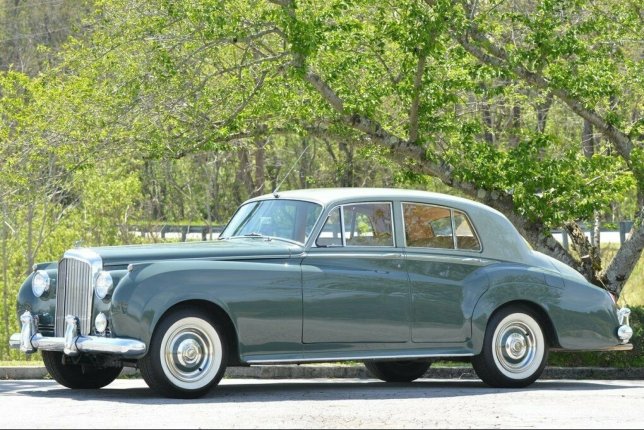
{"points": [[428, 226], [364, 224], [465, 236], [368, 224], [331, 234]]}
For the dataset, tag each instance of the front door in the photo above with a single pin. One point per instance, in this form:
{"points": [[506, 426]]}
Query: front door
{"points": [[355, 287]]}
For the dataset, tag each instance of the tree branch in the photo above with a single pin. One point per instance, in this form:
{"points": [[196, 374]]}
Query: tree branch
{"points": [[589, 254], [415, 102], [623, 263], [404, 150], [487, 52]]}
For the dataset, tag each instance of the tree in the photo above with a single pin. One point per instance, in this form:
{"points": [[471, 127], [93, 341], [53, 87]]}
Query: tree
{"points": [[487, 97]]}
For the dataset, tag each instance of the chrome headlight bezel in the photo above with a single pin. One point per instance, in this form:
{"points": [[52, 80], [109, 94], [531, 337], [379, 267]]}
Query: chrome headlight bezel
{"points": [[40, 283], [103, 284]]}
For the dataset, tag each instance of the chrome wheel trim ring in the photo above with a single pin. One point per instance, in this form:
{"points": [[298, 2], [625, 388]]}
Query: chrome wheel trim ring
{"points": [[518, 346], [191, 353]]}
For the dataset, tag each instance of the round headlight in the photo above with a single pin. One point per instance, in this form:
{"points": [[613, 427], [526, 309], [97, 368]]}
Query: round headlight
{"points": [[100, 323], [40, 283], [103, 284]]}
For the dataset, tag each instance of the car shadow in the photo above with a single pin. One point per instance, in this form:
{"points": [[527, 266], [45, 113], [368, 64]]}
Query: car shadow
{"points": [[230, 391]]}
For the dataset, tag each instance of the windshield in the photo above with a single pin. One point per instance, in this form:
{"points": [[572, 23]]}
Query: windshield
{"points": [[287, 219]]}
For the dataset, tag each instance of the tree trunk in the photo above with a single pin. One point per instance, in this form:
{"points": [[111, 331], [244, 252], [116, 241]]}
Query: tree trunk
{"points": [[30, 236], [489, 123], [621, 267], [516, 126], [588, 144], [260, 166], [6, 312], [348, 177], [542, 113], [588, 140]]}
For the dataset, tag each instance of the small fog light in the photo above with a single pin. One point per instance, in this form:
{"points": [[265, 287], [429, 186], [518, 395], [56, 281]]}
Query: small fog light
{"points": [[100, 323]]}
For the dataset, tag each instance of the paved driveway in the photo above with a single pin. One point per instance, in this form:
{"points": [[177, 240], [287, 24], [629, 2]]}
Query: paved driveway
{"points": [[250, 403]]}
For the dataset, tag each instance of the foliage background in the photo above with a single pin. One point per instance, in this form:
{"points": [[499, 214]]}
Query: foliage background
{"points": [[117, 114]]}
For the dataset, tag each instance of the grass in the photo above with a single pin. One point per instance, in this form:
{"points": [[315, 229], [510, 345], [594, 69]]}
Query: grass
{"points": [[633, 292], [21, 363]]}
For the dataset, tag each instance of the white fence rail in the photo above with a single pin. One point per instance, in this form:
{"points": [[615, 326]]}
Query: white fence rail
{"points": [[203, 232]]}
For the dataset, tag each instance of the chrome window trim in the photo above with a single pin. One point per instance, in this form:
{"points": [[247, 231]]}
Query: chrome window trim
{"points": [[391, 223], [332, 254], [474, 232], [306, 240], [470, 261], [318, 230], [455, 248], [451, 215], [342, 229]]}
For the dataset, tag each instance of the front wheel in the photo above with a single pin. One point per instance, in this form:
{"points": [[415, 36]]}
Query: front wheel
{"points": [[397, 371], [78, 376], [514, 352], [187, 355]]}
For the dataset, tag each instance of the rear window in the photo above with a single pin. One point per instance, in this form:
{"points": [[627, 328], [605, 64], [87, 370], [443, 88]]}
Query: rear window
{"points": [[429, 226]]}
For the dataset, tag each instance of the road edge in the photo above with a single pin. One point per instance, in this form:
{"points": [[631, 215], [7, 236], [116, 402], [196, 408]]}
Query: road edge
{"points": [[353, 371]]}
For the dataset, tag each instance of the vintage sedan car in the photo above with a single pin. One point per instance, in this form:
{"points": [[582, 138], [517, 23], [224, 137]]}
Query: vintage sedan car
{"points": [[394, 278]]}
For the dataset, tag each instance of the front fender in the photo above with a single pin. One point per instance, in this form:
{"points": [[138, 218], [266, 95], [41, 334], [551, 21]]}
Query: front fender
{"points": [[43, 307], [254, 295]]}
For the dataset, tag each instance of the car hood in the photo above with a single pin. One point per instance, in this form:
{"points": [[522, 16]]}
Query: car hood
{"points": [[232, 249]]}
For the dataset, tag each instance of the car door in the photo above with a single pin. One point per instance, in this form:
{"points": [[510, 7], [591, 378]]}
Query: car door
{"points": [[355, 288], [442, 260]]}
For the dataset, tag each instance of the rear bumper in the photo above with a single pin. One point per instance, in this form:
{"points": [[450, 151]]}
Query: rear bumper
{"points": [[622, 347], [29, 341], [624, 331]]}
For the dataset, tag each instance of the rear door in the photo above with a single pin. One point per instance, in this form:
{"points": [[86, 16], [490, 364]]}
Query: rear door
{"points": [[442, 259]]}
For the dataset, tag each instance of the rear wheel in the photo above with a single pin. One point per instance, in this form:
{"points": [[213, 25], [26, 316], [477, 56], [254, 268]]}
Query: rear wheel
{"points": [[78, 376], [514, 352], [397, 371], [187, 355]]}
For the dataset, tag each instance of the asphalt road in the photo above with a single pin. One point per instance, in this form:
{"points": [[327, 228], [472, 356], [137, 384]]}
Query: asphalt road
{"points": [[359, 403]]}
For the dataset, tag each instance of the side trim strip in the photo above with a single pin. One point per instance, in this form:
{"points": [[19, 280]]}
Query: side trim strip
{"points": [[381, 256], [357, 358], [472, 261]]}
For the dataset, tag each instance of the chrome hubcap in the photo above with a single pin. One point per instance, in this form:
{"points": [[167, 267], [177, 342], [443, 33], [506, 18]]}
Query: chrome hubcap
{"points": [[516, 347], [189, 354]]}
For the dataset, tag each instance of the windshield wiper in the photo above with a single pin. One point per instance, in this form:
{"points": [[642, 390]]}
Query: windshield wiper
{"points": [[254, 234], [267, 238], [251, 235]]}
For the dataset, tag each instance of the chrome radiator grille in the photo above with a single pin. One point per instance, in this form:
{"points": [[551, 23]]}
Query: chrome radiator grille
{"points": [[74, 294]]}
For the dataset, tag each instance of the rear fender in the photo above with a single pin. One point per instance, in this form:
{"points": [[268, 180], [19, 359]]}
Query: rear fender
{"points": [[581, 316]]}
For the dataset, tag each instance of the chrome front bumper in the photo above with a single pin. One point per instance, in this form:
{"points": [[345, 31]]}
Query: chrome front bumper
{"points": [[29, 340]]}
